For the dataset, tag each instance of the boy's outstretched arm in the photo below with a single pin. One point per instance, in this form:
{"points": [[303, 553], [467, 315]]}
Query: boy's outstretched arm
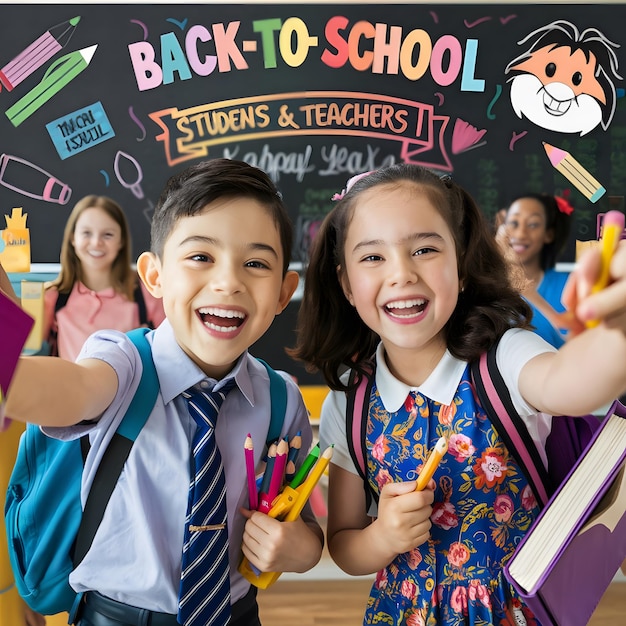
{"points": [[275, 546], [54, 392], [361, 546]]}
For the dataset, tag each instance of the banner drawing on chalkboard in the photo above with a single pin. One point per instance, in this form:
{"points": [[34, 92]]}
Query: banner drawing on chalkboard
{"points": [[188, 134]]}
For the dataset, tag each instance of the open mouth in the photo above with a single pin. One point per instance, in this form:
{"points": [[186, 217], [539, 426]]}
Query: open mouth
{"points": [[221, 320], [406, 308], [519, 248]]}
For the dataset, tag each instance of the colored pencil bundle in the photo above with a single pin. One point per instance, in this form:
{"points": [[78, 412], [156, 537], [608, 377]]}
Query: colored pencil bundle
{"points": [[280, 498], [280, 474]]}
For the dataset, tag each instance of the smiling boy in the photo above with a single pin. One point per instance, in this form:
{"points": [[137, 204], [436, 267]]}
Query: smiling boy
{"points": [[221, 242]]}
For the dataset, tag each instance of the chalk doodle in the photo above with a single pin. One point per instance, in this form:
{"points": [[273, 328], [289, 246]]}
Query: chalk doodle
{"points": [[137, 121]]}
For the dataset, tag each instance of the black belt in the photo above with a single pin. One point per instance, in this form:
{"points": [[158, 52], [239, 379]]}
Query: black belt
{"points": [[102, 611]]}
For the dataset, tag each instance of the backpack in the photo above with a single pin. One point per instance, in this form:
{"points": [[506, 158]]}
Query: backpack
{"points": [[62, 299], [48, 533], [568, 438], [565, 444]]}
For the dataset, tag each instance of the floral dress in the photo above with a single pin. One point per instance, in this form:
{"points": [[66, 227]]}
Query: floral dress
{"points": [[483, 506]]}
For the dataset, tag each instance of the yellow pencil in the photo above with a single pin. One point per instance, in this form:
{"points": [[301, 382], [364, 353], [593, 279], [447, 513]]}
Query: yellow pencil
{"points": [[308, 485], [441, 447], [612, 228]]}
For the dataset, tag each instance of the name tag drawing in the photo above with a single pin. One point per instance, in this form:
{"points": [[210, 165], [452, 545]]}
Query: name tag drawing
{"points": [[80, 130]]}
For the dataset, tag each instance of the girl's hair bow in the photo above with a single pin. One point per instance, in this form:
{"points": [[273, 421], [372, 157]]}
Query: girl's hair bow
{"points": [[350, 184]]}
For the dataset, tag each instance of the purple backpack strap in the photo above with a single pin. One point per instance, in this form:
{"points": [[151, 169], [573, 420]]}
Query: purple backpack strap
{"points": [[494, 397]]}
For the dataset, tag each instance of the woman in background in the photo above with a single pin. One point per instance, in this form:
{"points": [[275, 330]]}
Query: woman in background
{"points": [[535, 229]]}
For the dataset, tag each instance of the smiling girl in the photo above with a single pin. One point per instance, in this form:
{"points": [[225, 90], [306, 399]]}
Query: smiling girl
{"points": [[406, 286], [96, 284]]}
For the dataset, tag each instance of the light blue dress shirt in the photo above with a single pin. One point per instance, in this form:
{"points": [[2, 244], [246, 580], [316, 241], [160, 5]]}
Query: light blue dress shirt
{"points": [[136, 554]]}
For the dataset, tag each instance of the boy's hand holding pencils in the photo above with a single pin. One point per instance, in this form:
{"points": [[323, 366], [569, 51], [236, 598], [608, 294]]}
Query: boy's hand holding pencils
{"points": [[284, 502]]}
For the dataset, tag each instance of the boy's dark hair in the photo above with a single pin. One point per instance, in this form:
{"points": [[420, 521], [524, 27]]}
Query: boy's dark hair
{"points": [[331, 335], [557, 221], [189, 192]]}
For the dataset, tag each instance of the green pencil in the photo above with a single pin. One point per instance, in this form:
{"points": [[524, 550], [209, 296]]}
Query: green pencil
{"points": [[310, 460], [57, 76]]}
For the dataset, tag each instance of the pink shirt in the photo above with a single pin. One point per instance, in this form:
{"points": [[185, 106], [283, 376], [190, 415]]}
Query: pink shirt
{"points": [[88, 311]]}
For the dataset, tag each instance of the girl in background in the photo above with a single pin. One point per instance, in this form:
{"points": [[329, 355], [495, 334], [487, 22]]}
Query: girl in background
{"points": [[96, 288], [536, 229], [405, 278]]}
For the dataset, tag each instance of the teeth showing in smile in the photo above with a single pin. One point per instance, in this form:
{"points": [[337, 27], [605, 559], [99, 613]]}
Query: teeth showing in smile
{"points": [[221, 320], [406, 308], [555, 107]]}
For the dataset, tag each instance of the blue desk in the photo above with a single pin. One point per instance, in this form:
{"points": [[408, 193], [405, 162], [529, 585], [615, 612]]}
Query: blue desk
{"points": [[36, 275]]}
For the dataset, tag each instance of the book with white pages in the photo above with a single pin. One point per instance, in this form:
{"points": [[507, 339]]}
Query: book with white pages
{"points": [[570, 555]]}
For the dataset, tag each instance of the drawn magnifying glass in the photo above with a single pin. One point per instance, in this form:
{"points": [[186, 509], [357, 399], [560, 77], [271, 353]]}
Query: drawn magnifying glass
{"points": [[121, 160]]}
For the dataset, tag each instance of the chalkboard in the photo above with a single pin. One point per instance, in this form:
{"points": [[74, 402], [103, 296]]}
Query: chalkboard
{"points": [[114, 99]]}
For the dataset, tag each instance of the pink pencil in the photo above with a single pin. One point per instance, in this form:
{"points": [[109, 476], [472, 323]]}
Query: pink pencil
{"points": [[35, 55], [249, 452], [278, 473]]}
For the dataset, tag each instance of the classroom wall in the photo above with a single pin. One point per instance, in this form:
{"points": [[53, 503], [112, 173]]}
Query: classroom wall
{"points": [[311, 92]]}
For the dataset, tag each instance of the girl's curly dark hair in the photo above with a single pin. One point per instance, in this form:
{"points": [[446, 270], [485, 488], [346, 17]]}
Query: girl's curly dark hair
{"points": [[331, 336]]}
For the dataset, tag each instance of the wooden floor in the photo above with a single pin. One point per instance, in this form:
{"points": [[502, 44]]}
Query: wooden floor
{"points": [[341, 603]]}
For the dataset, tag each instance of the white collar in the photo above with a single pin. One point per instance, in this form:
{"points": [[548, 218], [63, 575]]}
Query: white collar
{"points": [[440, 386]]}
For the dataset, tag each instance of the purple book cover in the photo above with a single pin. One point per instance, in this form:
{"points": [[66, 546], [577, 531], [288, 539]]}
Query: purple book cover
{"points": [[15, 324], [574, 583]]}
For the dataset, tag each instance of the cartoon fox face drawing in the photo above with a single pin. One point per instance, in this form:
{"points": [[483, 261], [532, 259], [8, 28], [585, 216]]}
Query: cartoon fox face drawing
{"points": [[564, 81]]}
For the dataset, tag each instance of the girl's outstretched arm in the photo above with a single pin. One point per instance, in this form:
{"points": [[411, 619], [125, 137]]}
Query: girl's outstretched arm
{"points": [[589, 371], [54, 392], [360, 545], [608, 304]]}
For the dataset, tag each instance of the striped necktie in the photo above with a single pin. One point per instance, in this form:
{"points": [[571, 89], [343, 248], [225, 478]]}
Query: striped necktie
{"points": [[204, 596]]}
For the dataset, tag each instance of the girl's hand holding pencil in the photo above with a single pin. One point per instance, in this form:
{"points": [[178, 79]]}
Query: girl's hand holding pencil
{"points": [[596, 289]]}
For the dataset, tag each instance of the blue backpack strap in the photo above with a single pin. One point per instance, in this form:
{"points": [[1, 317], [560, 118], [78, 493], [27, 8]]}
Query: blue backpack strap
{"points": [[118, 450], [495, 398], [146, 394], [278, 398]]}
